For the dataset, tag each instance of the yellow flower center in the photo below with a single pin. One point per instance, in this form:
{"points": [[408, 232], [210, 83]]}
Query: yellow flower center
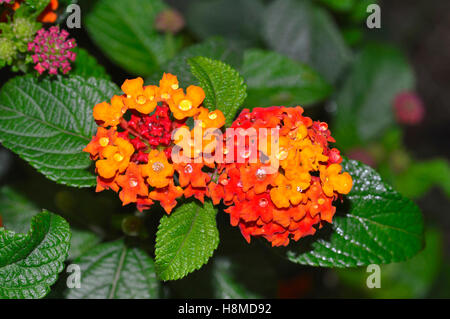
{"points": [[212, 116], [165, 96], [118, 157], [174, 86], [321, 201], [185, 105], [141, 99], [157, 167], [104, 141]]}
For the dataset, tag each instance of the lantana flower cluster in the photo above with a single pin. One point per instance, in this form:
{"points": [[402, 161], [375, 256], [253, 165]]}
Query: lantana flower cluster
{"points": [[52, 51], [278, 183], [133, 145], [285, 200]]}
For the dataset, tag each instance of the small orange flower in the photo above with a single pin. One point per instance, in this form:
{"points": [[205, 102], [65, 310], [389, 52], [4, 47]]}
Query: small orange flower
{"points": [[186, 105], [103, 184], [213, 119], [110, 114], [138, 97], [197, 192], [167, 86], [257, 176], [167, 196], [102, 139], [132, 183], [332, 180], [116, 158], [191, 173], [158, 170]]}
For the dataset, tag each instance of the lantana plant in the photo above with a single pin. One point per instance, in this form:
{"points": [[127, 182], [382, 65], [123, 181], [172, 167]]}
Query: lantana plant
{"points": [[190, 140]]}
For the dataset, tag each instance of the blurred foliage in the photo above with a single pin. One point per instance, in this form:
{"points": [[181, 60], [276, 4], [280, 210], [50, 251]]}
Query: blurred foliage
{"points": [[411, 279]]}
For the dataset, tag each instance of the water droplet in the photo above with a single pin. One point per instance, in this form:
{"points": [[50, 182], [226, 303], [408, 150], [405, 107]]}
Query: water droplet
{"points": [[188, 169], [157, 166], [245, 153], [260, 174], [133, 182], [263, 202]]}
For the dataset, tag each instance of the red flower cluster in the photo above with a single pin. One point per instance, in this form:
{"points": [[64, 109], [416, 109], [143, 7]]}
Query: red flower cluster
{"points": [[283, 201]]}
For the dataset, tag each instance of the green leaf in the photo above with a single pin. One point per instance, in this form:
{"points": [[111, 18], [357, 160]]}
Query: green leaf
{"points": [[224, 87], [225, 283], [30, 263], [411, 279], [339, 5], [87, 66], [380, 226], [16, 211], [238, 20], [421, 176], [308, 34], [273, 79], [124, 31], [213, 48], [115, 271], [185, 240], [82, 242], [364, 109], [49, 122]]}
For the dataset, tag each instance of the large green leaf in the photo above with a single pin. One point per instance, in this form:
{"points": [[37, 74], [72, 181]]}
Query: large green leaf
{"points": [[87, 66], [115, 271], [213, 48], [224, 87], [273, 79], [49, 122], [185, 240], [308, 34], [82, 242], [238, 20], [364, 104], [124, 31], [379, 227], [30, 263]]}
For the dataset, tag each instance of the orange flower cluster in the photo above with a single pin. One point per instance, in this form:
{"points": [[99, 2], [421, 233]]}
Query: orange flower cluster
{"points": [[279, 183], [286, 201], [133, 145]]}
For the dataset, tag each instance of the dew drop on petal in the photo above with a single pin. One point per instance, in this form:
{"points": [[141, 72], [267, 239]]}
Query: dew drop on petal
{"points": [[157, 166], [263, 202], [188, 169]]}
